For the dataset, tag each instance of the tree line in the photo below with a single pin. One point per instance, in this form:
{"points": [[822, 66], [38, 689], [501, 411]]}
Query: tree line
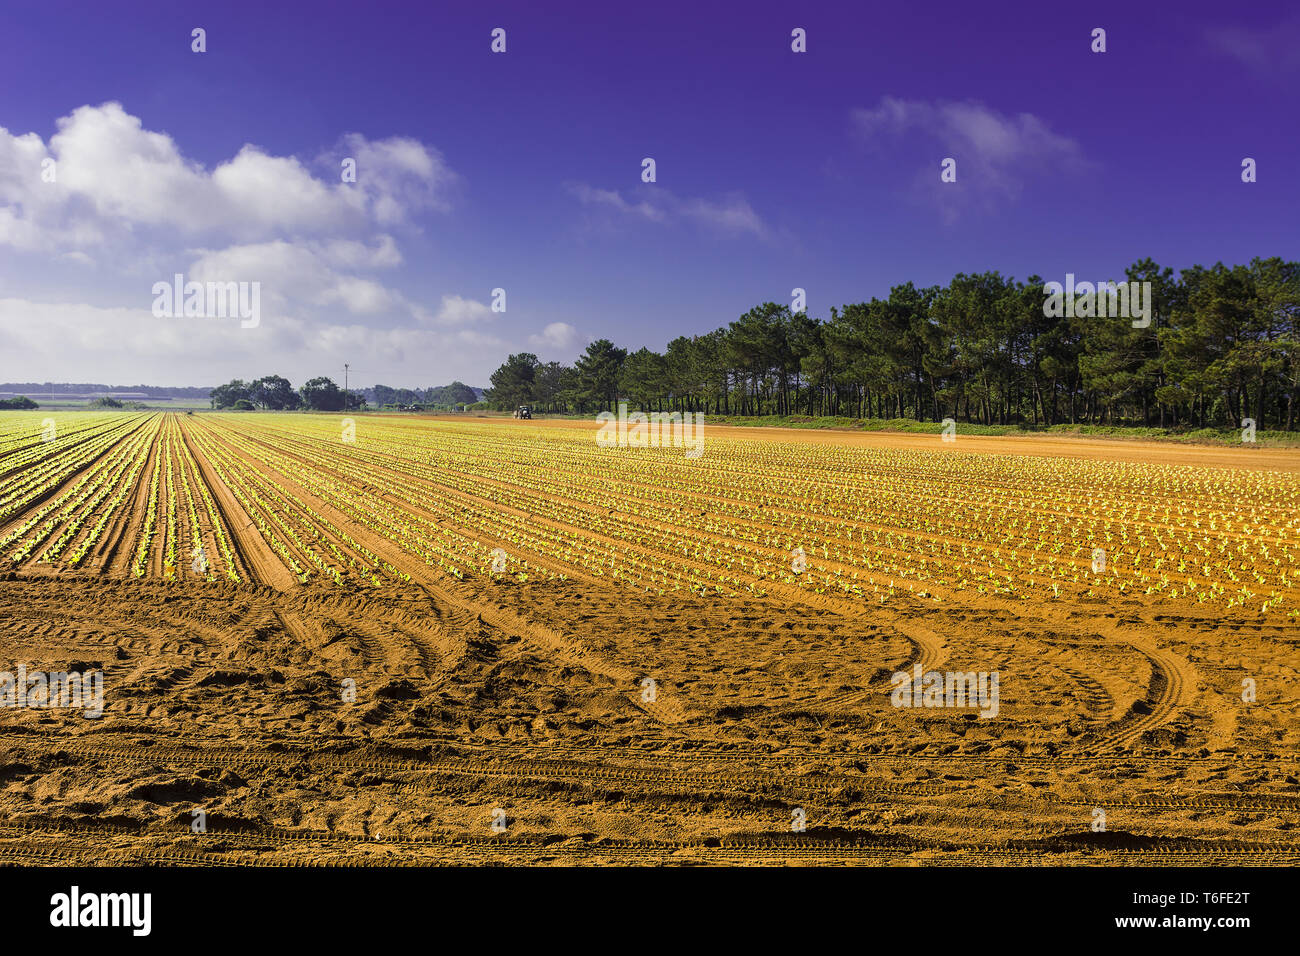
{"points": [[276, 393], [457, 393], [1221, 346]]}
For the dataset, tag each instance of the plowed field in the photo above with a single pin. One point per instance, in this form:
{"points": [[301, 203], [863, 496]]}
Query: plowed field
{"points": [[414, 640]]}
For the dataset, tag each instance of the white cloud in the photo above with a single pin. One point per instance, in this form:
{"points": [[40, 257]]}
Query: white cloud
{"points": [[398, 176], [556, 336], [1271, 50], [128, 203], [591, 196], [349, 253], [995, 152], [113, 175], [456, 310], [82, 342], [731, 215], [305, 273]]}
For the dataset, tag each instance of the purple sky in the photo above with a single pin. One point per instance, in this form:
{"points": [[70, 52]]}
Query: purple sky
{"points": [[522, 170]]}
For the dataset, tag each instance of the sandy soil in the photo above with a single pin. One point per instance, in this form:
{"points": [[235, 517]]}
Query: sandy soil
{"points": [[500, 721]]}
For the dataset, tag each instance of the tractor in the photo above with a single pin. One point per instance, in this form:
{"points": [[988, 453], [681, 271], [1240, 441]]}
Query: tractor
{"points": [[523, 411]]}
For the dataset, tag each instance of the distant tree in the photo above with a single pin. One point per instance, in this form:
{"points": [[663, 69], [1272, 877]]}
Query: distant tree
{"points": [[457, 393], [552, 384], [756, 347], [20, 402], [274, 392], [224, 396], [641, 380], [512, 383], [816, 366], [322, 395], [243, 405], [598, 373]]}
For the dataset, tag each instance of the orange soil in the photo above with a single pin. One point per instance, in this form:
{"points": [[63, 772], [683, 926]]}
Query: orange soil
{"points": [[528, 697]]}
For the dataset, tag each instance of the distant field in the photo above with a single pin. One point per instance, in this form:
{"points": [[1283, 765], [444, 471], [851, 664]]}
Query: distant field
{"points": [[61, 403], [1203, 436], [642, 656]]}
